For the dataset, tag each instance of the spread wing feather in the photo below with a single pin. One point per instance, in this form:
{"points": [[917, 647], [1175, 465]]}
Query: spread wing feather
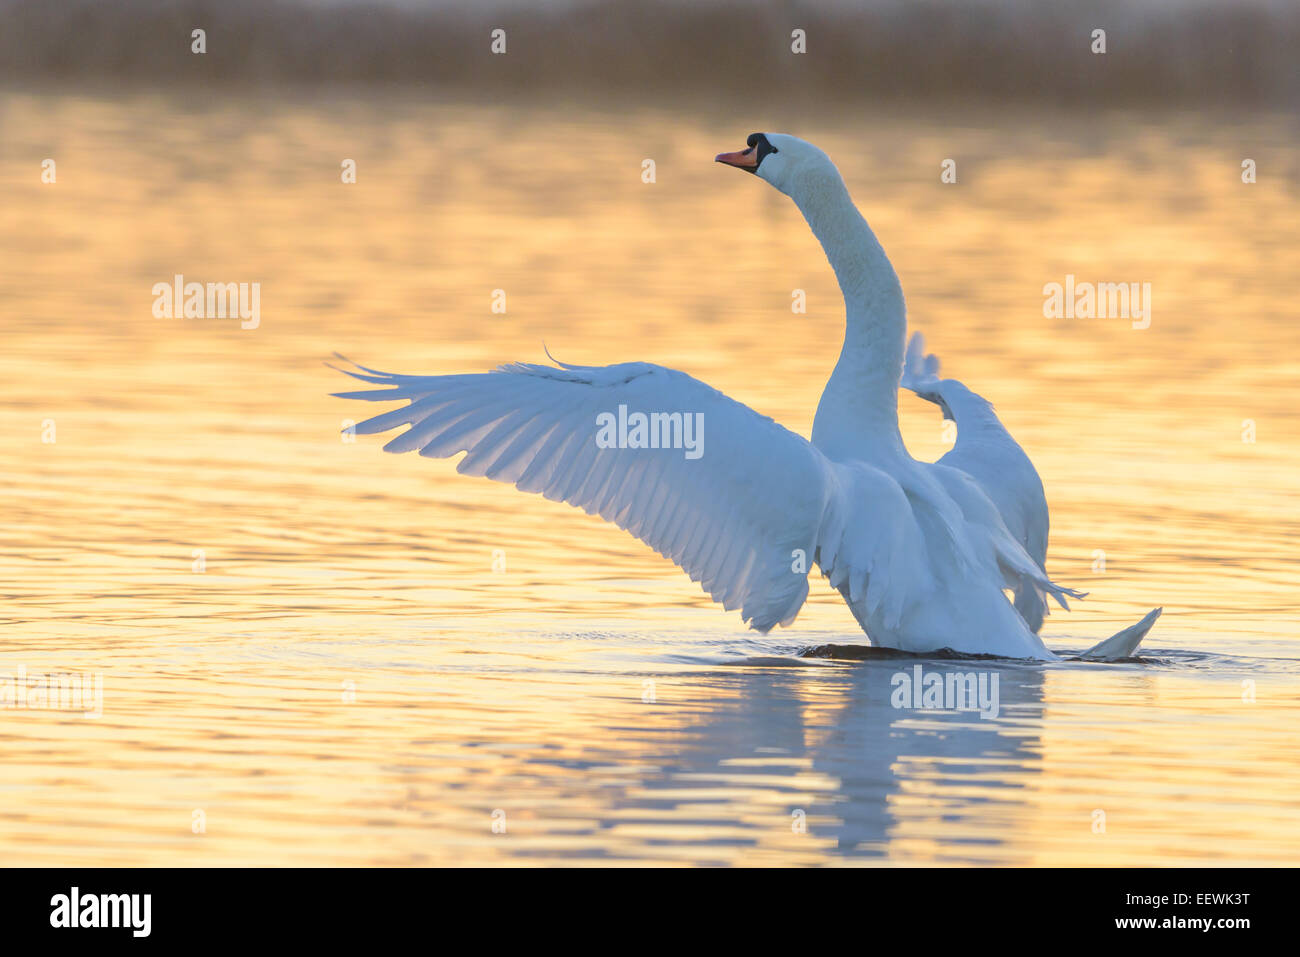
{"points": [[744, 518]]}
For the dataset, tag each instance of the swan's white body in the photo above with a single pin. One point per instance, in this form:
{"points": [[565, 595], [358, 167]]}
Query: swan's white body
{"points": [[919, 551], [986, 452]]}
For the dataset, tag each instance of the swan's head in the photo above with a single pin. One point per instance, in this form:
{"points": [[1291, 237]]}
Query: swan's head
{"points": [[792, 165]]}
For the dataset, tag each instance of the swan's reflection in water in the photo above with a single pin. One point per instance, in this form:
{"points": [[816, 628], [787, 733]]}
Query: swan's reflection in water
{"points": [[826, 749]]}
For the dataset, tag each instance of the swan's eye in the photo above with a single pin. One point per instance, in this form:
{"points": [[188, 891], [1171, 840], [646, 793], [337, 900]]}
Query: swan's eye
{"points": [[759, 141]]}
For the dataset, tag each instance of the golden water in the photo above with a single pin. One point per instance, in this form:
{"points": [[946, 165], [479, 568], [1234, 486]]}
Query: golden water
{"points": [[348, 681]]}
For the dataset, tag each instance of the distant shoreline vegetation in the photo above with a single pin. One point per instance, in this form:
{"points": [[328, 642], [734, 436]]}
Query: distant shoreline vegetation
{"points": [[1175, 53]]}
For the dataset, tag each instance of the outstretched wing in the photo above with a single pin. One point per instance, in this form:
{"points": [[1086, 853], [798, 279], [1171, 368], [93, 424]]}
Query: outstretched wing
{"points": [[727, 494], [987, 453], [920, 370]]}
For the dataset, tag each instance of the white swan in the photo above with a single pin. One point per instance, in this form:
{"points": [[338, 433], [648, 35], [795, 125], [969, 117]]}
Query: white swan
{"points": [[986, 452], [743, 505]]}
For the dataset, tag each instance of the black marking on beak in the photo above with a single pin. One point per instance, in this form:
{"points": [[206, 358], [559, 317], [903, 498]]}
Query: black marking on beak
{"points": [[759, 142]]}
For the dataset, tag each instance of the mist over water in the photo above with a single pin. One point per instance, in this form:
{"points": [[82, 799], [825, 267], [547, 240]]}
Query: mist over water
{"points": [[329, 655]]}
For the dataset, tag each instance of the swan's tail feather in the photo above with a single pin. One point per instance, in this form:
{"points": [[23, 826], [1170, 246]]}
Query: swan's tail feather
{"points": [[1122, 644]]}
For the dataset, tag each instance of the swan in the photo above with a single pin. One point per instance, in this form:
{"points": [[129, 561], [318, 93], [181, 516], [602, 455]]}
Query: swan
{"points": [[745, 506], [987, 453]]}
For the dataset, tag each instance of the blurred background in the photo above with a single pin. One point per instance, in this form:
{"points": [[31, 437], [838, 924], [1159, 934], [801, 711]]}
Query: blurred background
{"points": [[1194, 53], [340, 656]]}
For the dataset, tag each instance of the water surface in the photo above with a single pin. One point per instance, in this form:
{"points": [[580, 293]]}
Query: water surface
{"points": [[315, 653]]}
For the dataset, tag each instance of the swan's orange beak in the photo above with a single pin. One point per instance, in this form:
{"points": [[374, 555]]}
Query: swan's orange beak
{"points": [[745, 159]]}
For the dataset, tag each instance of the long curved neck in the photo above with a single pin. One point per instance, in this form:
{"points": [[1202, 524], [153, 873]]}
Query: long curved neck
{"points": [[858, 412]]}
